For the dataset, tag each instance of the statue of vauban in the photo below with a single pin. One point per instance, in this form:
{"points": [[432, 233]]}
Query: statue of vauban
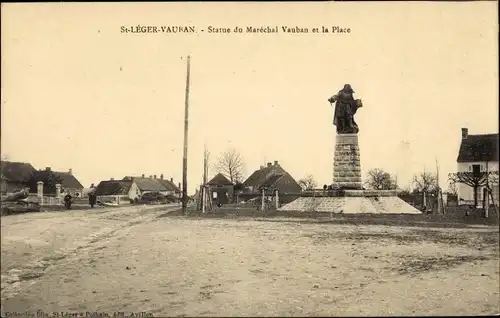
{"points": [[345, 109]]}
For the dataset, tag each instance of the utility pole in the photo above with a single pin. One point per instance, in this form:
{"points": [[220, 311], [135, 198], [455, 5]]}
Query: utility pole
{"points": [[487, 199], [205, 173], [439, 201], [184, 158]]}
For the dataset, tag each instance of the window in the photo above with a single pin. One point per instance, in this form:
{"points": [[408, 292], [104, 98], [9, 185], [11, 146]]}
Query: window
{"points": [[476, 169]]}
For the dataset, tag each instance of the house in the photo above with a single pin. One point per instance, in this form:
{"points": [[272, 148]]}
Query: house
{"points": [[477, 153], [271, 177], [154, 184], [172, 189], [223, 187], [15, 175], [70, 183], [117, 191]]}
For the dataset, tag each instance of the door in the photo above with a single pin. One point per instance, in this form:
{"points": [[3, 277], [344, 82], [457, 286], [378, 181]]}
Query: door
{"points": [[476, 170]]}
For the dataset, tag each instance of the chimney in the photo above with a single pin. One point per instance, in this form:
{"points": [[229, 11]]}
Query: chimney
{"points": [[112, 179], [70, 171], [47, 169], [154, 176], [269, 164], [275, 162], [142, 175], [161, 176], [465, 133], [179, 185], [171, 179]]}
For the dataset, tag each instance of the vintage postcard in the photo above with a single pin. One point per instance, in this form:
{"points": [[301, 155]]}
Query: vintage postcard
{"points": [[249, 159]]}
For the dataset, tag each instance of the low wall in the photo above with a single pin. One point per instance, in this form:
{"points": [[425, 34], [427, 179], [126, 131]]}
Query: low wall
{"points": [[453, 219], [114, 199]]}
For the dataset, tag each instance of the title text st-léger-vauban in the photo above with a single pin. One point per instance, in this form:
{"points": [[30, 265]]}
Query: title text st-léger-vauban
{"points": [[237, 29]]}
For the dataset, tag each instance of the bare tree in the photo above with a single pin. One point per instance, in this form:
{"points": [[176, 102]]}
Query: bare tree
{"points": [[474, 180], [231, 165], [426, 183], [378, 179], [307, 183]]}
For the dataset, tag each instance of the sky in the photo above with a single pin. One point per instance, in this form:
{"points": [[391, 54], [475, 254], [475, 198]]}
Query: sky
{"points": [[76, 93]]}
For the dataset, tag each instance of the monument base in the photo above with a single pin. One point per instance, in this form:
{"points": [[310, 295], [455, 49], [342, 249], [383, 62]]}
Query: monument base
{"points": [[346, 163], [351, 202]]}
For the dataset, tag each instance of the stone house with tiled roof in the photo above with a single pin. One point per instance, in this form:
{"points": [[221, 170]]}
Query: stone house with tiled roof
{"points": [[477, 153], [271, 177], [116, 191], [154, 184]]}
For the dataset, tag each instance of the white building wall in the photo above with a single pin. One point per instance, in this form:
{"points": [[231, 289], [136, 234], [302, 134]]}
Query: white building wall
{"points": [[134, 192], [466, 193]]}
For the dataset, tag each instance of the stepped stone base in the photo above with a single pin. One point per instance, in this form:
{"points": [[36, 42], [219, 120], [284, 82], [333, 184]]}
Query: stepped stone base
{"points": [[346, 162], [353, 202]]}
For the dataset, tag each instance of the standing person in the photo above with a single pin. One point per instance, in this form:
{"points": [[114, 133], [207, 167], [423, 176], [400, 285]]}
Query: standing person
{"points": [[92, 199], [68, 199], [92, 196]]}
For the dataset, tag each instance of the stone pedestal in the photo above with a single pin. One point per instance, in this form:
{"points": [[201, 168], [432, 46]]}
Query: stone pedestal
{"points": [[346, 162]]}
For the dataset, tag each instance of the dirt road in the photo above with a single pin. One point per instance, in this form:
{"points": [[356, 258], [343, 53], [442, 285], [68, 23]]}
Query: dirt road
{"points": [[32, 242], [172, 266]]}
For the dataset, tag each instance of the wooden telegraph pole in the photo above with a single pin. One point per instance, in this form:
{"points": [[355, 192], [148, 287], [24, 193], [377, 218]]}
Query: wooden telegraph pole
{"points": [[487, 199], [205, 173], [184, 158], [440, 202]]}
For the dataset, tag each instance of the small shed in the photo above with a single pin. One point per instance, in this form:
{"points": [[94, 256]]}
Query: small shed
{"points": [[223, 188]]}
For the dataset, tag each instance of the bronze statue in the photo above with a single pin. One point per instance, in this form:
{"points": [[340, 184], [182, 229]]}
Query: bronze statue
{"points": [[345, 109]]}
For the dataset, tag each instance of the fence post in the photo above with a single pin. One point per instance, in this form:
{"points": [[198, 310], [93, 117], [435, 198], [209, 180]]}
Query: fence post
{"points": [[486, 203], [39, 191], [277, 199], [58, 193], [263, 198]]}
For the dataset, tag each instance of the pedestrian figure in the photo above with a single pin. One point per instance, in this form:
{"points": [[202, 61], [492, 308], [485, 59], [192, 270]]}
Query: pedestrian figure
{"points": [[68, 199], [92, 199], [92, 196]]}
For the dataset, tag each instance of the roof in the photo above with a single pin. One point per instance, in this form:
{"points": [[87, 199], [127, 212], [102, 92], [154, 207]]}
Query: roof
{"points": [[271, 180], [113, 187], [219, 179], [16, 171], [169, 185], [68, 180], [147, 184], [478, 148], [259, 176], [151, 184]]}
